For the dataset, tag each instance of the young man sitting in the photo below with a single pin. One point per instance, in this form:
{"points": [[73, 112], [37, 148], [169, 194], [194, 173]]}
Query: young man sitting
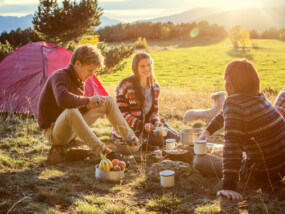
{"points": [[65, 113]]}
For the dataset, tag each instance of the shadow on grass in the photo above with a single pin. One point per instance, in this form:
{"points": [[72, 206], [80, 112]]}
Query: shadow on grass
{"points": [[52, 187], [236, 53], [200, 42]]}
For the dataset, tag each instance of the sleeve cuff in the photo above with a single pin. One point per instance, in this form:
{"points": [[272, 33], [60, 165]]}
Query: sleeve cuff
{"points": [[154, 120], [229, 185]]}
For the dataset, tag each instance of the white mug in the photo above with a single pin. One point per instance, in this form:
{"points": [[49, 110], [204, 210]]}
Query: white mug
{"points": [[170, 144], [167, 178], [200, 147]]}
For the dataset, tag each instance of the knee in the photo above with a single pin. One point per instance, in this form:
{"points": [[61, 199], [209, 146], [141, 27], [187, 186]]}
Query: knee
{"points": [[109, 99], [73, 112], [110, 102]]}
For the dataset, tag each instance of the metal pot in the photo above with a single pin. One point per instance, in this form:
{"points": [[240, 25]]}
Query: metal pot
{"points": [[188, 136], [115, 176]]}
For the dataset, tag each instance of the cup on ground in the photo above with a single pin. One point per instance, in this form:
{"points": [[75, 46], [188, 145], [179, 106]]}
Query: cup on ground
{"points": [[170, 144], [167, 178], [200, 147]]}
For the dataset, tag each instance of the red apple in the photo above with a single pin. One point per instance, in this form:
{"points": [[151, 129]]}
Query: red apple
{"points": [[117, 168], [115, 162], [122, 164]]}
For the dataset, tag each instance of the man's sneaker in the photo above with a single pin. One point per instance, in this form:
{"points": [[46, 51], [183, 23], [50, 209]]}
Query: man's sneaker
{"points": [[57, 154], [78, 154]]}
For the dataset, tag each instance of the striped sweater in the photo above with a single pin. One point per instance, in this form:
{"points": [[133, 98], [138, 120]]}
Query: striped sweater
{"points": [[252, 125], [130, 108], [280, 102]]}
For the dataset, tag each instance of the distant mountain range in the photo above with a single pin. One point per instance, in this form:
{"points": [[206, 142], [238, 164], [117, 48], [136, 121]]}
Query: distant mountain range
{"points": [[8, 23], [260, 19]]}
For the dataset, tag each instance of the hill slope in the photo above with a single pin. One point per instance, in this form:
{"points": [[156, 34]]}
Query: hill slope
{"points": [[8, 23], [254, 18], [260, 19]]}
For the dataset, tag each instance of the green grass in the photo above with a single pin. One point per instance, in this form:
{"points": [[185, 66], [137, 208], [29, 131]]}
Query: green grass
{"points": [[198, 66]]}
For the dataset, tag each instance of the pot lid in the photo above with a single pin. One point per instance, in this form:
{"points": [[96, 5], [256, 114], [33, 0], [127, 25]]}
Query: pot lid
{"points": [[166, 172], [200, 141], [170, 140]]}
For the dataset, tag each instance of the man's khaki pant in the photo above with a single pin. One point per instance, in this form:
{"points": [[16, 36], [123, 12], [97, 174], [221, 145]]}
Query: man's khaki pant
{"points": [[72, 123]]}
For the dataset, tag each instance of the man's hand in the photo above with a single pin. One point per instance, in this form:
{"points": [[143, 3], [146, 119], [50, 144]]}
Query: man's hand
{"points": [[231, 195], [149, 127], [205, 135], [96, 102]]}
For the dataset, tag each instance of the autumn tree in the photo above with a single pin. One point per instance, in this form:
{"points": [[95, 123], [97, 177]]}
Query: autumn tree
{"points": [[244, 38], [234, 35], [66, 23]]}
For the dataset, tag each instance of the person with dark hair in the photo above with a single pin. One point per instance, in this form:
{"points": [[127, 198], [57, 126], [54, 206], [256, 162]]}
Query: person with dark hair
{"points": [[64, 111], [254, 145], [137, 98]]}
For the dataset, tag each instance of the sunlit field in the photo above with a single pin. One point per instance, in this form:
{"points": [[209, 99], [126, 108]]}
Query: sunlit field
{"points": [[188, 73], [199, 65]]}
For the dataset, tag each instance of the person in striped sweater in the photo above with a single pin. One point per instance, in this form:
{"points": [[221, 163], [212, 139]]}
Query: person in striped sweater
{"points": [[137, 98], [253, 127], [280, 102]]}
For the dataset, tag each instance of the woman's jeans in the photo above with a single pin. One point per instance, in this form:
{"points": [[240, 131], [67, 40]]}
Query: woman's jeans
{"points": [[154, 140]]}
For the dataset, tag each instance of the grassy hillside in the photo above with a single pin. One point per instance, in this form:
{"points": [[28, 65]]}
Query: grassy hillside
{"points": [[200, 65]]}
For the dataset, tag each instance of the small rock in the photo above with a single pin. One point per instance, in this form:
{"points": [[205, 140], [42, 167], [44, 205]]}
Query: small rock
{"points": [[181, 169]]}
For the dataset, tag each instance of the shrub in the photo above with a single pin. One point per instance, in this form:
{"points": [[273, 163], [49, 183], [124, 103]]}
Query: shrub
{"points": [[19, 37], [114, 57], [141, 43], [5, 49]]}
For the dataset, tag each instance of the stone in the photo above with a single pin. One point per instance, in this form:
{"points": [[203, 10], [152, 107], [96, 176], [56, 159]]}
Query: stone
{"points": [[179, 155], [181, 169], [156, 155]]}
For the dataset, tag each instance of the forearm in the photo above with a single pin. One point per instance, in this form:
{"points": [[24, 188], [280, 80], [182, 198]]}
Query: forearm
{"points": [[154, 118], [65, 98], [216, 123], [231, 165], [134, 122]]}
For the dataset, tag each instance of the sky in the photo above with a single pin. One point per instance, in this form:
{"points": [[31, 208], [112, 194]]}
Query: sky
{"points": [[132, 10]]}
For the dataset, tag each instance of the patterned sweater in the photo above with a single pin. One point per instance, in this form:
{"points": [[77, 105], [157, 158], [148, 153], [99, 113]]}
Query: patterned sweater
{"points": [[130, 108], [252, 125], [280, 102]]}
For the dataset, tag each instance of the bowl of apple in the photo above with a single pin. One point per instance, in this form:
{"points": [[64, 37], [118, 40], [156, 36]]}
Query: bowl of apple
{"points": [[109, 170]]}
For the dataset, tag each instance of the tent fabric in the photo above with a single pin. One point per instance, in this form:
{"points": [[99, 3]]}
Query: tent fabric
{"points": [[24, 72]]}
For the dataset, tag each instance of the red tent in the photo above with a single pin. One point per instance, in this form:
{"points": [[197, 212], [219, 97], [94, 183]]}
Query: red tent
{"points": [[24, 72]]}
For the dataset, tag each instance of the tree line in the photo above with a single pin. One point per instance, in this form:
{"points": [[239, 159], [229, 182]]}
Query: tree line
{"points": [[156, 31]]}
